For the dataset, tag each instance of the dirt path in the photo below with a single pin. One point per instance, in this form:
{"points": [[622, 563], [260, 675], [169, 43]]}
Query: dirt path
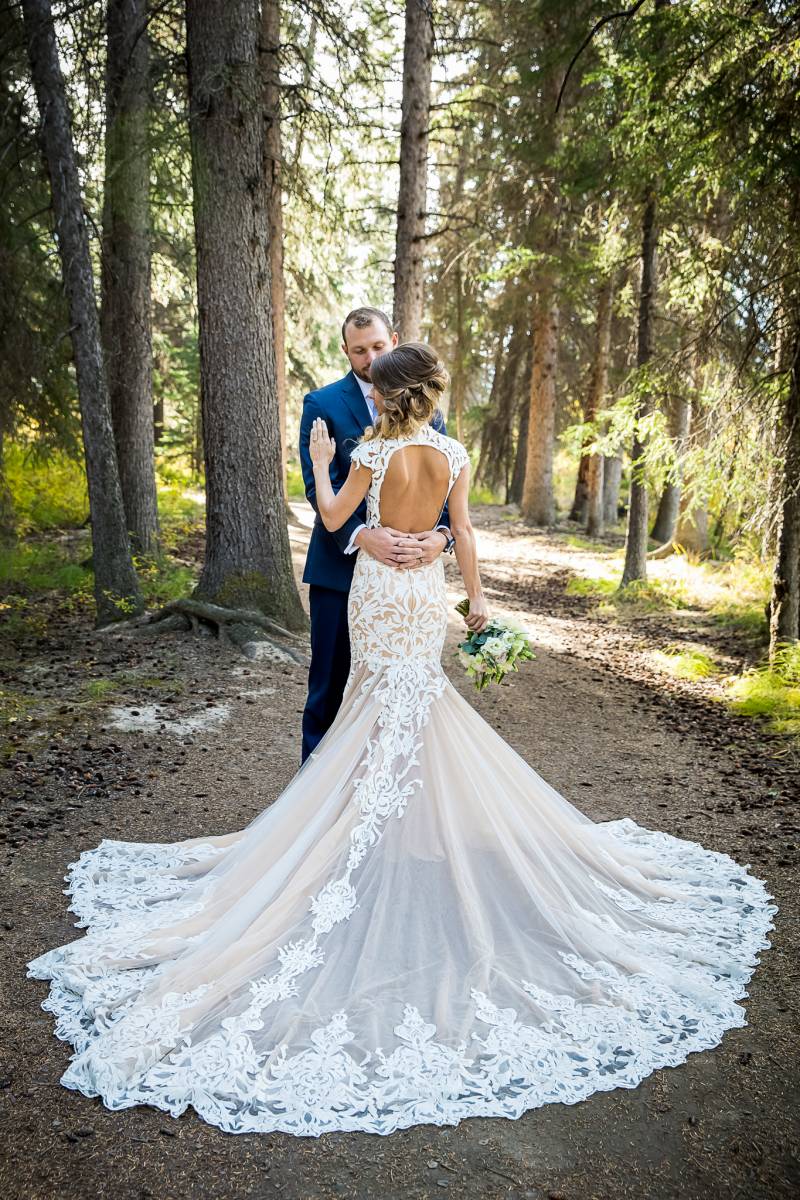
{"points": [[217, 739]]}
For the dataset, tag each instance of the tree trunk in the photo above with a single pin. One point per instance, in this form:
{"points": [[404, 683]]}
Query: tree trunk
{"points": [[612, 479], [636, 540], [412, 197], [116, 587], [517, 485], [125, 310], [486, 470], [784, 625], [692, 531], [459, 381], [8, 521], [497, 442], [595, 525], [273, 168], [538, 501], [670, 503], [581, 497], [248, 562]]}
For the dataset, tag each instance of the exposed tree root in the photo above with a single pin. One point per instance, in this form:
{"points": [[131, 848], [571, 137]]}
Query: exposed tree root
{"points": [[675, 547], [247, 629]]}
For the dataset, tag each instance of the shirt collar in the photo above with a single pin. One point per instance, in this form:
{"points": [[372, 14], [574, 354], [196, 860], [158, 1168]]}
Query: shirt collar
{"points": [[364, 384]]}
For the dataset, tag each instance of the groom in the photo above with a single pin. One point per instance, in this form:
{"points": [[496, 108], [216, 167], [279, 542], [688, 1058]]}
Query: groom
{"points": [[347, 409]]}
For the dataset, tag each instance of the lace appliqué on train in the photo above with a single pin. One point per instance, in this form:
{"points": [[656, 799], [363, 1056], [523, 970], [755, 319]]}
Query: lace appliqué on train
{"points": [[112, 1049]]}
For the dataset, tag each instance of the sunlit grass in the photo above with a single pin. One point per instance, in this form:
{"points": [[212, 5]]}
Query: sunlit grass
{"points": [[734, 593], [179, 504], [686, 664], [46, 492], [641, 595], [771, 691], [583, 585], [584, 543]]}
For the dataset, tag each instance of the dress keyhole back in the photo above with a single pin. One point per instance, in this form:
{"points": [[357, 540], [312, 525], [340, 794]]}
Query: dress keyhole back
{"points": [[414, 488]]}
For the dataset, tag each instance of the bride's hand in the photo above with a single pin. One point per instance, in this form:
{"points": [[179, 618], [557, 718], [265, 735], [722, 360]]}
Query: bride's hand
{"points": [[478, 616], [320, 444]]}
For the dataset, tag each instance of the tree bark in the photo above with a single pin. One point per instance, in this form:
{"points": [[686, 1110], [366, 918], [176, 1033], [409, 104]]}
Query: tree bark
{"points": [[669, 505], [581, 497], [538, 501], [412, 198], [248, 562], [612, 479], [595, 523], [486, 470], [458, 386], [692, 531], [116, 588], [273, 168], [784, 624], [517, 485], [496, 463], [636, 540], [8, 521], [125, 310]]}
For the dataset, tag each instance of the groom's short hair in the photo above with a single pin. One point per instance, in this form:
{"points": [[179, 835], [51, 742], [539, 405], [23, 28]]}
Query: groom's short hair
{"points": [[362, 317]]}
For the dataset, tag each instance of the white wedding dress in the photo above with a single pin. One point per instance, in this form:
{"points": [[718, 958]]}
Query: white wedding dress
{"points": [[419, 929]]}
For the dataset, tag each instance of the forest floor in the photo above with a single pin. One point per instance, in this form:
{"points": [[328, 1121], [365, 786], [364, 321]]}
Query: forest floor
{"points": [[162, 740]]}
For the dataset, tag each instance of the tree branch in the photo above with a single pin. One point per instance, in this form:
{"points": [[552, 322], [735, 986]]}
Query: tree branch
{"points": [[598, 25]]}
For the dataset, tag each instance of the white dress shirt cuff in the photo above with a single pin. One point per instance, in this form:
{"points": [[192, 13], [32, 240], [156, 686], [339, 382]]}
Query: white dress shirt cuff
{"points": [[351, 545]]}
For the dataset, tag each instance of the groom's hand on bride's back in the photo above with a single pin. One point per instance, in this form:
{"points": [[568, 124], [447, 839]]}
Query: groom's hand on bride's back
{"points": [[401, 550]]}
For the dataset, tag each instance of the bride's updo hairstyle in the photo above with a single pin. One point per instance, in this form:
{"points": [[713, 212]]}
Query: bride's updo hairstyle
{"points": [[410, 378]]}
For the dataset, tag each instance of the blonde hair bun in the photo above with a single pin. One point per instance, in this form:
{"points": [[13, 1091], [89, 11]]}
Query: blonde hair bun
{"points": [[410, 378]]}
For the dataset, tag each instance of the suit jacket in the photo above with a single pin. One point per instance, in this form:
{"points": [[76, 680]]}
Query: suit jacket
{"points": [[346, 413]]}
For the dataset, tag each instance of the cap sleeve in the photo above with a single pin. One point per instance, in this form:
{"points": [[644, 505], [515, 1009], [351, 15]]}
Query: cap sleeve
{"points": [[362, 454], [460, 459]]}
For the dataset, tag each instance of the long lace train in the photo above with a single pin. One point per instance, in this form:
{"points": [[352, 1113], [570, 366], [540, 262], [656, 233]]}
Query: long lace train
{"points": [[391, 943], [419, 929]]}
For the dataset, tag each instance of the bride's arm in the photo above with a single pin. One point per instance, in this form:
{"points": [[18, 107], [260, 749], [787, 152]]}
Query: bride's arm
{"points": [[334, 507], [466, 551]]}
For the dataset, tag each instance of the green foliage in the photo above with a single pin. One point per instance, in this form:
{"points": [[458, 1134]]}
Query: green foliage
{"points": [[639, 596], [44, 566], [294, 483], [49, 494], [48, 490], [95, 689], [163, 580], [771, 691], [686, 664], [581, 585], [478, 494]]}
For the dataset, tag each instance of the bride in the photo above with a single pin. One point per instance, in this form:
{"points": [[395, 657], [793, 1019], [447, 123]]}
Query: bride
{"points": [[419, 929]]}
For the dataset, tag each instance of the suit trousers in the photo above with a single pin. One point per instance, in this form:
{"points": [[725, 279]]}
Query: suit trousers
{"points": [[330, 663]]}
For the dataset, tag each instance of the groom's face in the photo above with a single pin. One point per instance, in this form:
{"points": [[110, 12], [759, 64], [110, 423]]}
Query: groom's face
{"points": [[362, 346]]}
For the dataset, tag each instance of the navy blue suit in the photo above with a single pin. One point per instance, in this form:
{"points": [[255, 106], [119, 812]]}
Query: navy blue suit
{"points": [[328, 570]]}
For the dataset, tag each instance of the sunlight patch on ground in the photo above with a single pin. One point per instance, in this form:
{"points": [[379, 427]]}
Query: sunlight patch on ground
{"points": [[147, 718]]}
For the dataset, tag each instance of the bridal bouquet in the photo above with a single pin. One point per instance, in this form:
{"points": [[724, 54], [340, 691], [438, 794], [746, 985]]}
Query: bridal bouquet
{"points": [[489, 655]]}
